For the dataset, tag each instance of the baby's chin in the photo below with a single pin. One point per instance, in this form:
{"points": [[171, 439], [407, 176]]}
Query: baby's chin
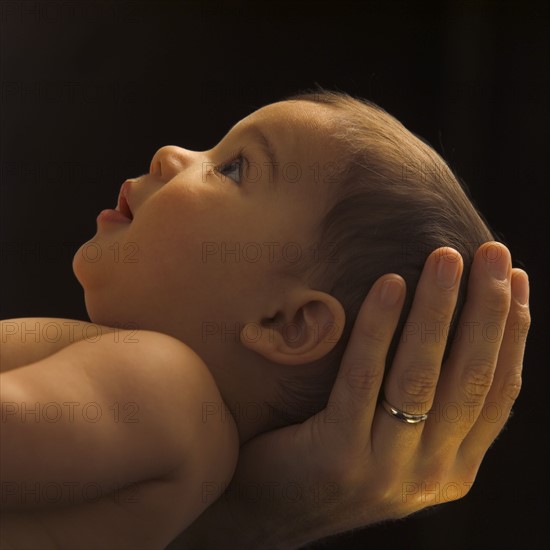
{"points": [[78, 268]]}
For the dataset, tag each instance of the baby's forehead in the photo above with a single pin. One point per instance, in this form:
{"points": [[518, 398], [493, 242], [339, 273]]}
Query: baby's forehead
{"points": [[296, 114], [301, 133], [301, 130]]}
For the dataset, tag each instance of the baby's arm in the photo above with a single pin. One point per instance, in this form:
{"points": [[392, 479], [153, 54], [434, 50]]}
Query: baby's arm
{"points": [[113, 414]]}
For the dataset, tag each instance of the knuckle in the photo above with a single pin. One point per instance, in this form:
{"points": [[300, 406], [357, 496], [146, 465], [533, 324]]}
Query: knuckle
{"points": [[511, 387], [477, 379], [418, 382], [518, 324], [525, 316], [374, 333], [385, 491], [438, 312], [439, 464], [432, 490], [468, 473], [397, 497], [497, 302], [359, 377], [463, 487], [521, 328]]}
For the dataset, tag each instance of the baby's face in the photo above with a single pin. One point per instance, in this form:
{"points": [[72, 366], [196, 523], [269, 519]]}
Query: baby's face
{"points": [[198, 260]]}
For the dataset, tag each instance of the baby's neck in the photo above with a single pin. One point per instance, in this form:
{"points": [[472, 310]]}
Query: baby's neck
{"points": [[249, 388]]}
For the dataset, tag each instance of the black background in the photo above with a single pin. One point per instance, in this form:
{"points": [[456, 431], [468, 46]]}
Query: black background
{"points": [[90, 90]]}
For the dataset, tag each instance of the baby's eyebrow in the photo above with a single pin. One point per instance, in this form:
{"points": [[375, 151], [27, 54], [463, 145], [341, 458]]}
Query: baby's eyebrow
{"points": [[268, 150]]}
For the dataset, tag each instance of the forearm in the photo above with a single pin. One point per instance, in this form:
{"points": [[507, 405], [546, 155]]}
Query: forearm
{"points": [[224, 526], [232, 522]]}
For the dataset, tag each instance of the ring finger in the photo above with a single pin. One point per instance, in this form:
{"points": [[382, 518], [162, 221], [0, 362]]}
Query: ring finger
{"points": [[413, 377]]}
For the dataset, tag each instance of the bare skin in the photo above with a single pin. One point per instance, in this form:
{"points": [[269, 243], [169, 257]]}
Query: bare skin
{"points": [[189, 199], [362, 460], [367, 467], [103, 440], [351, 484]]}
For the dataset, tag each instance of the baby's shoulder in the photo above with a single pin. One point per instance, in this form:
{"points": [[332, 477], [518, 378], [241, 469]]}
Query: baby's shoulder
{"points": [[26, 340], [170, 377]]}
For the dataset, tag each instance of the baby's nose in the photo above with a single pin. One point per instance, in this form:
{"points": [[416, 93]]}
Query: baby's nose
{"points": [[169, 161]]}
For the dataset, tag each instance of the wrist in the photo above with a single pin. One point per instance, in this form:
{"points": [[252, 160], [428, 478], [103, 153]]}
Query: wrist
{"points": [[224, 525]]}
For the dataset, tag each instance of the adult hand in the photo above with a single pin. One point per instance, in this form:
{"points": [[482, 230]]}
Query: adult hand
{"points": [[354, 464]]}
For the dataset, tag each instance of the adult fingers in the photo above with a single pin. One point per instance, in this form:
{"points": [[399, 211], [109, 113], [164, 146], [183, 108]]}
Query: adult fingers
{"points": [[507, 380], [412, 379], [468, 375], [357, 385]]}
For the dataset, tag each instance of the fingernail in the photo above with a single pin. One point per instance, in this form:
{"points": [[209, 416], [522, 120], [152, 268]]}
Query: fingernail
{"points": [[447, 270], [520, 287], [497, 261], [391, 292]]}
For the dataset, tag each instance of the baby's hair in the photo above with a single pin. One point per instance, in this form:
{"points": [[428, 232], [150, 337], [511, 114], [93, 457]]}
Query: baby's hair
{"points": [[392, 201]]}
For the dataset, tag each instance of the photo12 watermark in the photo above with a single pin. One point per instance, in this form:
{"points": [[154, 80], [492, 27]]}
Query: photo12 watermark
{"points": [[466, 331], [50, 330], [39, 252], [292, 333], [280, 173], [266, 412], [69, 411], [271, 252], [453, 411], [21, 493], [289, 492], [127, 253], [434, 493]]}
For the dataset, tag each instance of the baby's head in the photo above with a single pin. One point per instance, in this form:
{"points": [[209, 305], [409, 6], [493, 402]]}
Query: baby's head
{"points": [[259, 252]]}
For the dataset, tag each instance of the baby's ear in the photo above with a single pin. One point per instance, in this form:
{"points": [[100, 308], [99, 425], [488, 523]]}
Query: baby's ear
{"points": [[307, 328]]}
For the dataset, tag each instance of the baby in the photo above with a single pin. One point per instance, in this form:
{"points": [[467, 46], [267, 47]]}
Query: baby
{"points": [[242, 269]]}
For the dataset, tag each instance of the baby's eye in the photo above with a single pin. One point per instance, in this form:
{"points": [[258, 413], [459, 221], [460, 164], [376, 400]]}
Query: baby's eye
{"points": [[229, 169]]}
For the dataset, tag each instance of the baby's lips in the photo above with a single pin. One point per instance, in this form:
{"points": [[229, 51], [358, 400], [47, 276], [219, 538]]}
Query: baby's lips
{"points": [[123, 205]]}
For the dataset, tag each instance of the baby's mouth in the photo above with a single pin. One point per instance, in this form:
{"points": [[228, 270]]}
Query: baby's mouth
{"points": [[122, 204]]}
